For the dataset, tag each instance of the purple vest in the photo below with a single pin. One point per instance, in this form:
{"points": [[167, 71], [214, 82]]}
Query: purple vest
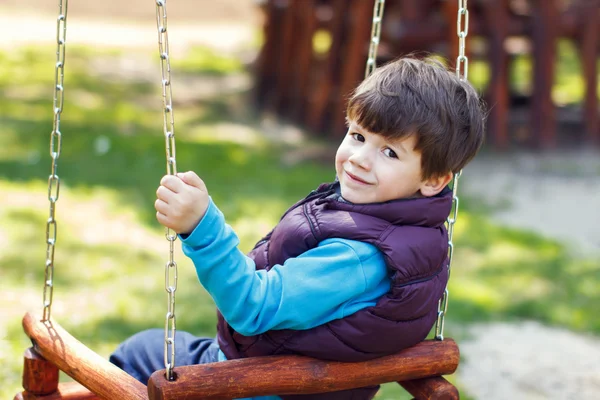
{"points": [[411, 235]]}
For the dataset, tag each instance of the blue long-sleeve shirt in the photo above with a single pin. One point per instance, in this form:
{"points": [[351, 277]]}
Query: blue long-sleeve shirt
{"points": [[331, 281]]}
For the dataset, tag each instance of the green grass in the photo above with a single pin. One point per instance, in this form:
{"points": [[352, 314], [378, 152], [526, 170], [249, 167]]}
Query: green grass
{"points": [[111, 252]]}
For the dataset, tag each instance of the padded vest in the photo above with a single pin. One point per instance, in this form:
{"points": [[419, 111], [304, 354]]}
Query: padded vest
{"points": [[413, 239]]}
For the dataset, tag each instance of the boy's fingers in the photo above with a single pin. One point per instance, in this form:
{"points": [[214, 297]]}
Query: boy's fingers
{"points": [[161, 206], [164, 194], [192, 179], [172, 183], [162, 219]]}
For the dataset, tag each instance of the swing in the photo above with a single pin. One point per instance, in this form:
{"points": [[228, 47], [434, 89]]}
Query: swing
{"points": [[418, 369]]}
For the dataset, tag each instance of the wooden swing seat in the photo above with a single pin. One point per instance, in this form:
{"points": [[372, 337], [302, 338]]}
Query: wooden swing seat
{"points": [[418, 369]]}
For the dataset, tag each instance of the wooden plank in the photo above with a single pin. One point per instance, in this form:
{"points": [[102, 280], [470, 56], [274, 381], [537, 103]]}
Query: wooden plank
{"points": [[302, 375], [434, 388], [79, 362], [65, 391]]}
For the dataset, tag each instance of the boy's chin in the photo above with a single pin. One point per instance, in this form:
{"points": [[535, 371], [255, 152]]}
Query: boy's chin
{"points": [[354, 196]]}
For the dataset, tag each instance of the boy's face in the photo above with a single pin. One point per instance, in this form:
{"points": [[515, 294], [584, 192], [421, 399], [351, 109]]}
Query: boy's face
{"points": [[373, 169]]}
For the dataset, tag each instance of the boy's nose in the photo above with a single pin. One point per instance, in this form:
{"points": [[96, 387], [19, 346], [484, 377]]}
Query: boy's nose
{"points": [[361, 158]]}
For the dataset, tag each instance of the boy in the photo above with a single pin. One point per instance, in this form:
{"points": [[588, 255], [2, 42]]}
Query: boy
{"points": [[355, 270]]}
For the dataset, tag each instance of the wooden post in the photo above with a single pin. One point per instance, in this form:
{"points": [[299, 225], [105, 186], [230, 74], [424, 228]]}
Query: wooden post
{"points": [[589, 44], [269, 57], [434, 388], [451, 16], [40, 377], [496, 19], [79, 362], [355, 57], [287, 58], [545, 32], [324, 88], [299, 82]]}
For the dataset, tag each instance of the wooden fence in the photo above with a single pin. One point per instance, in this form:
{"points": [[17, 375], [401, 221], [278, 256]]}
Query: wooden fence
{"points": [[314, 54]]}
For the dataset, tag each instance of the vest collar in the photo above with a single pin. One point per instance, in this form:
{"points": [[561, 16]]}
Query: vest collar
{"points": [[422, 211]]}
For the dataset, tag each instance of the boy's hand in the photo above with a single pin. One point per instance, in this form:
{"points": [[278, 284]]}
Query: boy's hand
{"points": [[182, 201]]}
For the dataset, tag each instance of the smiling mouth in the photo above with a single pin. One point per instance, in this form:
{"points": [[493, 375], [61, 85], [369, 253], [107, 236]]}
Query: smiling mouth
{"points": [[355, 178]]}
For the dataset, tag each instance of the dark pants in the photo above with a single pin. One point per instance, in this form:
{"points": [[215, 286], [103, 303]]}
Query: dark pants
{"points": [[143, 353]]}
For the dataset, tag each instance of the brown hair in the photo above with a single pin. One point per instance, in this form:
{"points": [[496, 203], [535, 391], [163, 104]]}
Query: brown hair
{"points": [[411, 96]]}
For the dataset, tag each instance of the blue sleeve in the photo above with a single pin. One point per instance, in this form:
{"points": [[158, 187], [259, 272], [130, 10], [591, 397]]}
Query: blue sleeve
{"points": [[325, 283]]}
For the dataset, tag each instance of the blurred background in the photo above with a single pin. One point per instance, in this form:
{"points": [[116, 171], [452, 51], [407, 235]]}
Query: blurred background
{"points": [[259, 89]]}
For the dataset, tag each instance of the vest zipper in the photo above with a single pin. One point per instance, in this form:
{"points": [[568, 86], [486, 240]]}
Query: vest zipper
{"points": [[310, 223], [425, 279]]}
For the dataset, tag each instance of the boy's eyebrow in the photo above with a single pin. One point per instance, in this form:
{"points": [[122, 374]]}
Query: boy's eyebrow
{"points": [[398, 144], [354, 126]]}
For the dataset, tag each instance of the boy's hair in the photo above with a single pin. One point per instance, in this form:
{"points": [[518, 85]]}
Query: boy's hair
{"points": [[411, 96]]}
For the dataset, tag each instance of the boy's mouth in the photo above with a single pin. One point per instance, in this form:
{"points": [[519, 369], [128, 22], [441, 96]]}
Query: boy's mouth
{"points": [[355, 178]]}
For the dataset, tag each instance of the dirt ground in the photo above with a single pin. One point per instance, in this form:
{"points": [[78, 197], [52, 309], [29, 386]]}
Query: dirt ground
{"points": [[524, 361]]}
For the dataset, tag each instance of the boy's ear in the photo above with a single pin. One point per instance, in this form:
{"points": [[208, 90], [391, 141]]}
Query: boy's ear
{"points": [[434, 185]]}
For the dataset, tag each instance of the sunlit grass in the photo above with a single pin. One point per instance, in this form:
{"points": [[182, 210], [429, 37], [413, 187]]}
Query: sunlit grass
{"points": [[207, 61], [111, 252]]}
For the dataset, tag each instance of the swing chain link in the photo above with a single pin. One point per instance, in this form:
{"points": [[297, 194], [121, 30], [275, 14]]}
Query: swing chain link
{"points": [[55, 148], [375, 36], [169, 132], [462, 30], [462, 71]]}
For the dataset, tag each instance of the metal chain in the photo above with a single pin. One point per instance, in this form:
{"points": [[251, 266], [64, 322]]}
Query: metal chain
{"points": [[462, 72], [169, 132], [55, 147], [462, 30], [375, 36]]}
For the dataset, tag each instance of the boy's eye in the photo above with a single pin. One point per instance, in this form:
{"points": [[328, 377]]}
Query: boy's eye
{"points": [[390, 153], [358, 136]]}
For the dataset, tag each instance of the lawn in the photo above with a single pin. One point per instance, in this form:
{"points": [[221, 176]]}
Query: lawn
{"points": [[111, 252]]}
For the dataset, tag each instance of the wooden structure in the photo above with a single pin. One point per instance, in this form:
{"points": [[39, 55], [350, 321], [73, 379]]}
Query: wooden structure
{"points": [[298, 80], [418, 369]]}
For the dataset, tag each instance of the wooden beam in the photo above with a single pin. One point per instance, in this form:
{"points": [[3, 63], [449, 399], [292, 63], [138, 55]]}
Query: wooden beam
{"points": [[79, 362], [302, 375]]}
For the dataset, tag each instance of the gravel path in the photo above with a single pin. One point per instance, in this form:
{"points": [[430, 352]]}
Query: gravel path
{"points": [[530, 361], [557, 195]]}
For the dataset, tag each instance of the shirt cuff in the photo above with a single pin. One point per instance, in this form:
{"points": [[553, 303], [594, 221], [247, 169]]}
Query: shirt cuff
{"points": [[206, 231]]}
